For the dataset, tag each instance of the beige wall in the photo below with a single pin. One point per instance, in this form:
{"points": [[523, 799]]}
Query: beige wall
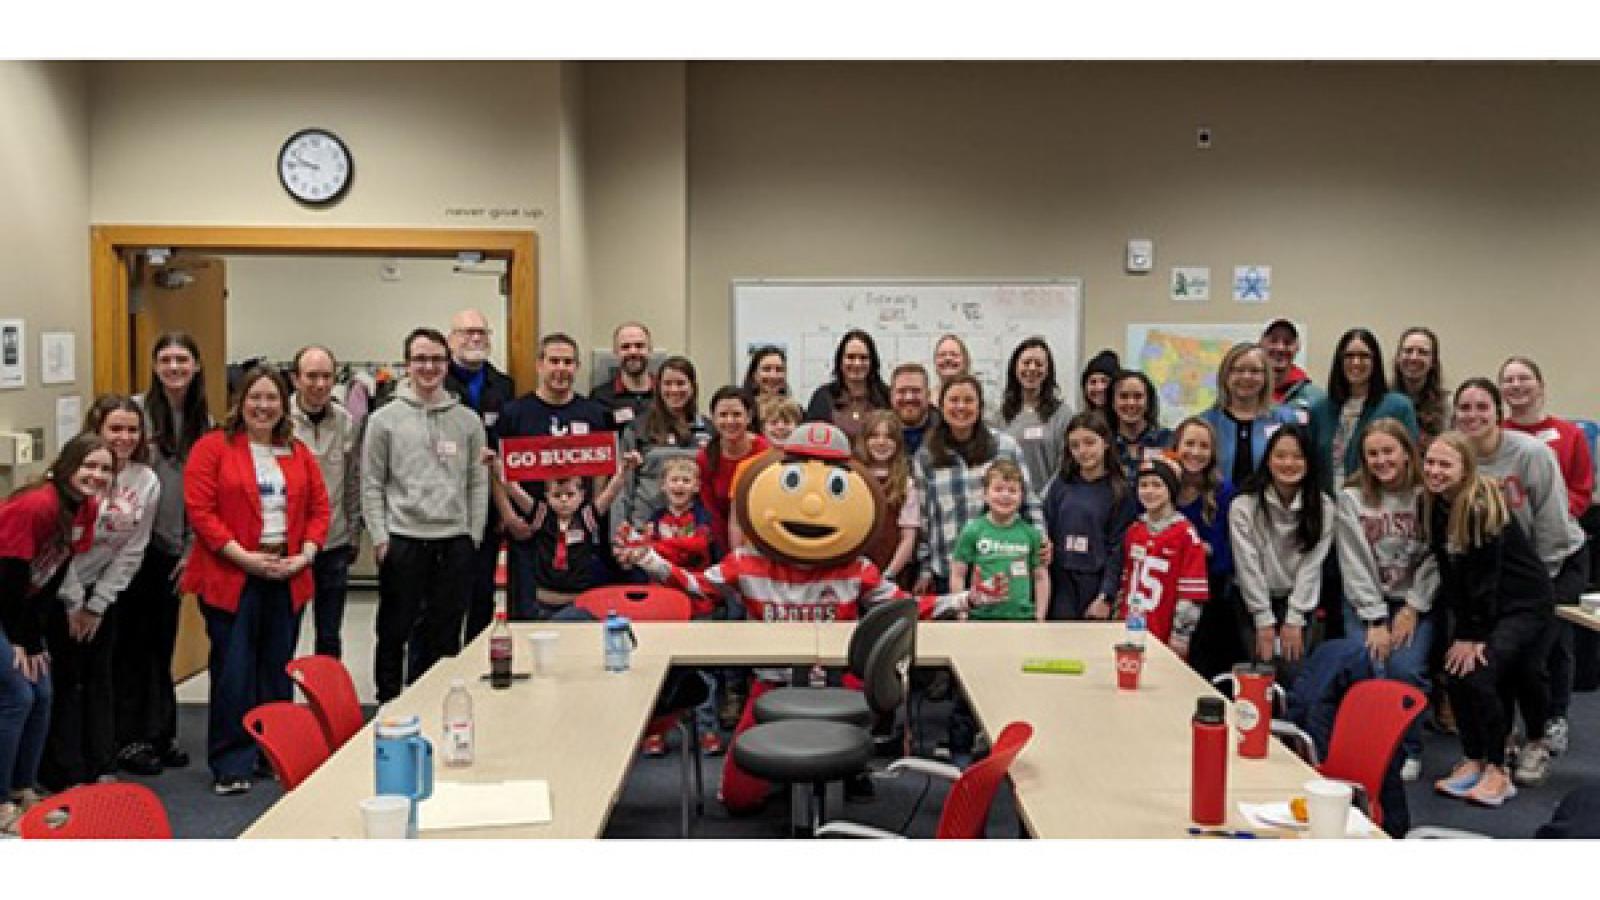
{"points": [[637, 198], [44, 239], [197, 143], [278, 304], [1464, 197]]}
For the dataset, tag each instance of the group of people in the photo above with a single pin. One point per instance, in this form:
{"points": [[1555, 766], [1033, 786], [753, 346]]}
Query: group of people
{"points": [[1437, 529]]}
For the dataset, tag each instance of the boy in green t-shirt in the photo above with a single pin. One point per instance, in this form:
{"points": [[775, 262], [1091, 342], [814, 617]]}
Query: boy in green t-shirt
{"points": [[1000, 542]]}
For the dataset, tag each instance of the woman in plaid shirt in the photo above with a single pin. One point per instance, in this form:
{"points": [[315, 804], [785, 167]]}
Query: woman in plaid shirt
{"points": [[948, 471]]}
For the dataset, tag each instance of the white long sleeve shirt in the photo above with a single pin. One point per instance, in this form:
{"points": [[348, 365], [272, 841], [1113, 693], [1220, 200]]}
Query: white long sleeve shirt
{"points": [[121, 533]]}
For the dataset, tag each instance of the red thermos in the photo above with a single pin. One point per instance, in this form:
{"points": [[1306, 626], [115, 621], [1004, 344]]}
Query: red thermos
{"points": [[1208, 792], [1252, 707]]}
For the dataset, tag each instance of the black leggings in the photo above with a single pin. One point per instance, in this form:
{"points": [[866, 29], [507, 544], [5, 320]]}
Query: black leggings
{"points": [[1517, 650]]}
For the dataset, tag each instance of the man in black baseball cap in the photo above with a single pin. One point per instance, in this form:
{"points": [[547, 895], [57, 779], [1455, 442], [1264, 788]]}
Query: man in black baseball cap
{"points": [[1291, 386]]}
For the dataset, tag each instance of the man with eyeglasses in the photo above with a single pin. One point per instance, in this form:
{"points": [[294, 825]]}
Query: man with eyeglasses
{"points": [[629, 393], [424, 498], [553, 409], [479, 385]]}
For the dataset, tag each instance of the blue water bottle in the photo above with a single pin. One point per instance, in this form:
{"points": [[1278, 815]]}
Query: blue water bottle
{"points": [[619, 642], [403, 762]]}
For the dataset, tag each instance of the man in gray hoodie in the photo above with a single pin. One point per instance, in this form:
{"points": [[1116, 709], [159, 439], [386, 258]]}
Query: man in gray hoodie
{"points": [[424, 499]]}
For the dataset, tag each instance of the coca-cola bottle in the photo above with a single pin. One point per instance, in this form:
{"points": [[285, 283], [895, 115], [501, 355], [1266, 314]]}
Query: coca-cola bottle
{"points": [[500, 652]]}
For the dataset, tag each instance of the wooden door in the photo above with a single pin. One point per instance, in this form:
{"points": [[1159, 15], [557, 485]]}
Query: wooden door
{"points": [[190, 294]]}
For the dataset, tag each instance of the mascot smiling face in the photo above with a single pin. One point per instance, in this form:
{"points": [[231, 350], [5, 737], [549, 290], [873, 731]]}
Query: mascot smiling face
{"points": [[810, 503]]}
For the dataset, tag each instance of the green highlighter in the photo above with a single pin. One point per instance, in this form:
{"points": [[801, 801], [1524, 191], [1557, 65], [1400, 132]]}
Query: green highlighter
{"points": [[1053, 666]]}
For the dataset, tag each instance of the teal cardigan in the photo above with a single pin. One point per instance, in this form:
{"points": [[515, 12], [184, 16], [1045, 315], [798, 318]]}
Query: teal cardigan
{"points": [[1325, 421]]}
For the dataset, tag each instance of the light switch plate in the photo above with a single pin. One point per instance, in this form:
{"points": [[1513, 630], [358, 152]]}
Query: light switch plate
{"points": [[1141, 255]]}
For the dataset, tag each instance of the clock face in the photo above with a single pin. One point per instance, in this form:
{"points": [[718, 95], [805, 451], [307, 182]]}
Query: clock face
{"points": [[315, 166]]}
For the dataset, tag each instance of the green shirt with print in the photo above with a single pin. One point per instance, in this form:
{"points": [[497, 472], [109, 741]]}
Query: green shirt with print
{"points": [[994, 549]]}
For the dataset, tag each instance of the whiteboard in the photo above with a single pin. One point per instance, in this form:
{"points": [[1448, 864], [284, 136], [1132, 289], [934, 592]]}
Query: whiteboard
{"points": [[906, 316]]}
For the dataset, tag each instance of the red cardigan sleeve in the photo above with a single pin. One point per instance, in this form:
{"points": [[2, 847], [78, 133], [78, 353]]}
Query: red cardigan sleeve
{"points": [[202, 477]]}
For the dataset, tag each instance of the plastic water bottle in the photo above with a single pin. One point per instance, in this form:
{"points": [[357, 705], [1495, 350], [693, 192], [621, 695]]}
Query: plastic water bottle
{"points": [[619, 643], [500, 653], [458, 737], [1134, 630]]}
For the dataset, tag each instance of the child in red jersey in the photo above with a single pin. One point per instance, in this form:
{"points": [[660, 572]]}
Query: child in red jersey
{"points": [[1164, 562]]}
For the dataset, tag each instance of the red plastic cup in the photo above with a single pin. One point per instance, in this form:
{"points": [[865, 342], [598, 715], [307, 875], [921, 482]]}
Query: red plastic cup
{"points": [[1130, 662]]}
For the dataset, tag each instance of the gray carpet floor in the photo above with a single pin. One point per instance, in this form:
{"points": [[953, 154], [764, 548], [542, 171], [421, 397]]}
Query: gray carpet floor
{"points": [[649, 805]]}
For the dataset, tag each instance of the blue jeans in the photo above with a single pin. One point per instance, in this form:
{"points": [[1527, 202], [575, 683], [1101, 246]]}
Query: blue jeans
{"points": [[331, 572], [1408, 664], [24, 723], [249, 649]]}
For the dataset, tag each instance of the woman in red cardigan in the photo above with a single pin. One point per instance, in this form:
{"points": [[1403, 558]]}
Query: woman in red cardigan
{"points": [[259, 510]]}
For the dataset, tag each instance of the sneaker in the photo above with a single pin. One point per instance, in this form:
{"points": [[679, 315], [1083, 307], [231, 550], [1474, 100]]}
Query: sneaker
{"points": [[711, 744], [140, 759], [1557, 734], [1462, 779], [28, 798], [228, 787], [1411, 769], [174, 757], [10, 815], [1493, 789], [1533, 764], [654, 746], [941, 751]]}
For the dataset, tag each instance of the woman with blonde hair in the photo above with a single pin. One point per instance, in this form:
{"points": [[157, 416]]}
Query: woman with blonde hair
{"points": [[1244, 415], [1389, 577], [1502, 616]]}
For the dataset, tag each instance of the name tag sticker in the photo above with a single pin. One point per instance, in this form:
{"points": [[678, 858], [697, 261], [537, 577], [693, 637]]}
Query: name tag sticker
{"points": [[1270, 429], [447, 448], [1033, 433], [1019, 569], [574, 536], [623, 415], [580, 427], [489, 418]]}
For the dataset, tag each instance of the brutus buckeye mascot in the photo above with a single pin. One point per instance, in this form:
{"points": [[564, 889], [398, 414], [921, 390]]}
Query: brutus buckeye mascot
{"points": [[807, 510]]}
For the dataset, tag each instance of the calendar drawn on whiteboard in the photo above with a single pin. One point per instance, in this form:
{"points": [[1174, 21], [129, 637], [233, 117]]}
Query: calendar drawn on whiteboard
{"points": [[906, 317]]}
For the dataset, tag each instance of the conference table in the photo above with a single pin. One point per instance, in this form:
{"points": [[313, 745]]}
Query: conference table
{"points": [[1103, 763]]}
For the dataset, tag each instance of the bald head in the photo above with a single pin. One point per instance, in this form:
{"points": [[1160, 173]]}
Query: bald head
{"points": [[469, 338]]}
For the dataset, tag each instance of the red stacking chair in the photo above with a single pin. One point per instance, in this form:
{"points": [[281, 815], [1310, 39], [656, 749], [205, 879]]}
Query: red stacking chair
{"points": [[639, 602], [291, 738], [118, 811], [657, 603], [331, 694], [966, 809], [1372, 718]]}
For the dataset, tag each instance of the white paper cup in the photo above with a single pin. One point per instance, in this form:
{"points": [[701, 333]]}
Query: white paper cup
{"points": [[386, 816], [543, 646], [1328, 805]]}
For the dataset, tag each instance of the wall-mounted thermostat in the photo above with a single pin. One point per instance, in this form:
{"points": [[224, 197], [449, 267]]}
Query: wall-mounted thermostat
{"points": [[1141, 255]]}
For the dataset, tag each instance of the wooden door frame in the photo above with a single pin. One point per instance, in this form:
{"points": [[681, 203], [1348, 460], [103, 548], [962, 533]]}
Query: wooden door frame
{"points": [[109, 276]]}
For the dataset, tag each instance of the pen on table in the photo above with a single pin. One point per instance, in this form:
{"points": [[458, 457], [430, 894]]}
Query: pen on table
{"points": [[1228, 833]]}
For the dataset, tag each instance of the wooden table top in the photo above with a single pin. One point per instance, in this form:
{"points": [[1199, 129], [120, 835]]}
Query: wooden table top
{"points": [[1103, 763]]}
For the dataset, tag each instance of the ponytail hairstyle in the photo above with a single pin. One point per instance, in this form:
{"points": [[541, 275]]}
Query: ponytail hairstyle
{"points": [[1478, 512], [1309, 528], [941, 441], [1211, 478], [164, 431], [1094, 421]]}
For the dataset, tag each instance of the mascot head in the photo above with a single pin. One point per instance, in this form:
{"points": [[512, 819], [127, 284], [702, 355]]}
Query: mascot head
{"points": [[808, 503]]}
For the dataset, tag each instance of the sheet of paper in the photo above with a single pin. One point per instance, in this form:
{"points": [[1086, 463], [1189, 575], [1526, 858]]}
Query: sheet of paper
{"points": [[1277, 815], [69, 418], [458, 804]]}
